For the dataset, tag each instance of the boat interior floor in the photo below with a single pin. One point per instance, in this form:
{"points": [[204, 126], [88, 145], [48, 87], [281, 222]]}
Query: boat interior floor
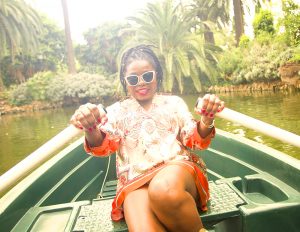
{"points": [[94, 215]]}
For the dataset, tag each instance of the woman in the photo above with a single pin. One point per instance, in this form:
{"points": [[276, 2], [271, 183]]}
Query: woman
{"points": [[161, 183]]}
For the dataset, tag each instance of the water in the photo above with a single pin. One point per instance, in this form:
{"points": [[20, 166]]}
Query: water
{"points": [[21, 134], [280, 109]]}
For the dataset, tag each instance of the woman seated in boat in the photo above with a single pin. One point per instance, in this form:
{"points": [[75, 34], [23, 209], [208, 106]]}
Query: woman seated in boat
{"points": [[161, 183]]}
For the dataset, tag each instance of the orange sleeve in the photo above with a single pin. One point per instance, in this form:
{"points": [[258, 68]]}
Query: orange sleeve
{"points": [[106, 148], [197, 142]]}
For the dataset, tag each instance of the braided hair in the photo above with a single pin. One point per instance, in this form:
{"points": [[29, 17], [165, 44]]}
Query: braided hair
{"points": [[140, 52]]}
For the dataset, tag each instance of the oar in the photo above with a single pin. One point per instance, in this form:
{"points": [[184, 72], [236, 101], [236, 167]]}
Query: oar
{"points": [[260, 126]]}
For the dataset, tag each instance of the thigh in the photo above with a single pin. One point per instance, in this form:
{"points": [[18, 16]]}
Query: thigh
{"points": [[138, 215], [175, 177]]}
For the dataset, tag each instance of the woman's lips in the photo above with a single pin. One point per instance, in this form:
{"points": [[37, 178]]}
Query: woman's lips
{"points": [[142, 91]]}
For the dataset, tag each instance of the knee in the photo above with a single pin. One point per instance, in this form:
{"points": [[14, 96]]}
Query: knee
{"points": [[144, 228], [165, 196]]}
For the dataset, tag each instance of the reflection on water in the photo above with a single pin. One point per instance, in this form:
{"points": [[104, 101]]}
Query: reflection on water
{"points": [[280, 109], [22, 134]]}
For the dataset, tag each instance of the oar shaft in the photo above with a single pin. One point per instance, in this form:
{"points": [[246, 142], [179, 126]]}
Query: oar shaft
{"points": [[260, 126]]}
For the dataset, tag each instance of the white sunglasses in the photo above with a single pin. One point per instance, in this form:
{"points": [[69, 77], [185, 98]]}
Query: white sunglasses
{"points": [[133, 80]]}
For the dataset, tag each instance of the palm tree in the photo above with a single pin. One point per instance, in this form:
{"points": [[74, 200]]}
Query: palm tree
{"points": [[70, 51], [218, 11], [19, 27], [183, 54], [210, 14]]}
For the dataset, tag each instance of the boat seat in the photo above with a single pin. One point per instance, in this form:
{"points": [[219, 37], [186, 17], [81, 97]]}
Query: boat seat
{"points": [[96, 216]]}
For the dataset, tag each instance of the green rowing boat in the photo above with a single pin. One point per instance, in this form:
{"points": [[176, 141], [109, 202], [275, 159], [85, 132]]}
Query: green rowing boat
{"points": [[253, 188]]}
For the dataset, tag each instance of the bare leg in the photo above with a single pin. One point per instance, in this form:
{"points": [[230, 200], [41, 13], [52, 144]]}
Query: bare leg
{"points": [[138, 214], [172, 193]]}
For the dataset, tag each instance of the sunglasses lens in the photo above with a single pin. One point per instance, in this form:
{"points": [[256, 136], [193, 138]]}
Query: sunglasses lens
{"points": [[132, 80], [148, 77]]}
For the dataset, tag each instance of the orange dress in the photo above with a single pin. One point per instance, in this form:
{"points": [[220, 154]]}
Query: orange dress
{"points": [[145, 141]]}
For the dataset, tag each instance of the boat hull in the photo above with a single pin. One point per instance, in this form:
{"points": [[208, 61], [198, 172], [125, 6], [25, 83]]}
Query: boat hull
{"points": [[265, 185]]}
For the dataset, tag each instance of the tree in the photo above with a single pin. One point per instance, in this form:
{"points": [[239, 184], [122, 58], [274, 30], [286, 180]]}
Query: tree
{"points": [[291, 22], [218, 11], [263, 23], [70, 51], [19, 28], [210, 14], [184, 55], [50, 56], [103, 44]]}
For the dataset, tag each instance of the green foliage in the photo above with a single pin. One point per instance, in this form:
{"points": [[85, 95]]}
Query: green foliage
{"points": [[103, 45], [75, 88], [244, 41], [34, 89], [39, 84], [290, 55], [291, 22], [230, 62], [264, 38], [50, 56], [263, 22], [81, 87], [20, 95], [19, 27], [258, 62]]}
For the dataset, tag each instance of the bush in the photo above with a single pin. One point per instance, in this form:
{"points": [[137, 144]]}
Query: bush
{"points": [[78, 88], [38, 85], [263, 23], [20, 95], [81, 87], [244, 41], [34, 89], [257, 62], [264, 38], [230, 62]]}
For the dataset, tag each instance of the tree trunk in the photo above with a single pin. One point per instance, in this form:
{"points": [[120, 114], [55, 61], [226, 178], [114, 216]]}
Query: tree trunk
{"points": [[209, 35], [1, 83], [1, 80], [70, 52], [238, 20]]}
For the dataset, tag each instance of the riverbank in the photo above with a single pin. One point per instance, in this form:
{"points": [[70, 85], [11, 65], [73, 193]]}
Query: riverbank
{"points": [[275, 86], [6, 108], [289, 82], [257, 87]]}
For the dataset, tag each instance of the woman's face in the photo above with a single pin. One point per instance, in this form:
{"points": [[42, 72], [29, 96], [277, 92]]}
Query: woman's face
{"points": [[143, 92]]}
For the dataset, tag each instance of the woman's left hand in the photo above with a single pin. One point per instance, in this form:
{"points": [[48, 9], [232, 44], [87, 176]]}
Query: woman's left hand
{"points": [[208, 106]]}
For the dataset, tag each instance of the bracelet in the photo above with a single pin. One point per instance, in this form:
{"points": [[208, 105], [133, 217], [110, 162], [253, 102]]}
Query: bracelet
{"points": [[207, 126]]}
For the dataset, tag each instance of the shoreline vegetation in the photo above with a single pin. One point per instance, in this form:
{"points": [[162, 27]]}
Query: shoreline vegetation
{"points": [[257, 87]]}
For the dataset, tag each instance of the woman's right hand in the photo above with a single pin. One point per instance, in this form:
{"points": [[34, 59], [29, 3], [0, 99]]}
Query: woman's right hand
{"points": [[88, 116]]}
